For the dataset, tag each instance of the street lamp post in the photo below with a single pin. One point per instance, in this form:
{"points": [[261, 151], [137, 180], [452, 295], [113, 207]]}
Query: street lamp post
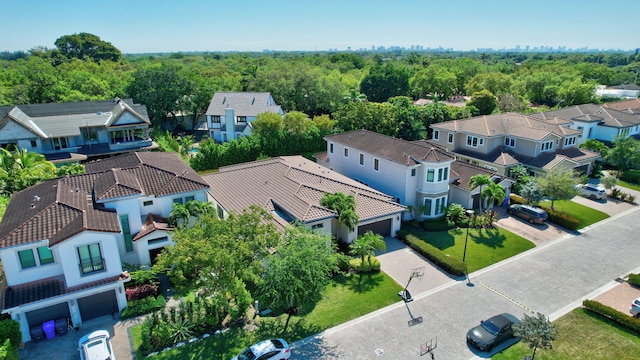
{"points": [[469, 215]]}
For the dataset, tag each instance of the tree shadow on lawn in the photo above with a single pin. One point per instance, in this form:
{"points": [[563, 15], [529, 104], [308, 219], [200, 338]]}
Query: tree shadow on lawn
{"points": [[361, 282], [489, 237]]}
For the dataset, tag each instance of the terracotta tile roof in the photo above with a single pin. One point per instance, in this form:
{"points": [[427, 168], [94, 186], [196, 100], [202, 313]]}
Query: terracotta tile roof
{"points": [[390, 148], [47, 288], [507, 124], [293, 185], [149, 173], [53, 210], [152, 223]]}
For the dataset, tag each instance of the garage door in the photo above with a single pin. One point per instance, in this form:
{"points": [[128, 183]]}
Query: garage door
{"points": [[54, 312], [98, 305], [381, 227]]}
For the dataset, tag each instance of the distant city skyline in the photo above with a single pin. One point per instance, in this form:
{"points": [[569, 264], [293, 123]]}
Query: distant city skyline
{"points": [[147, 26]]}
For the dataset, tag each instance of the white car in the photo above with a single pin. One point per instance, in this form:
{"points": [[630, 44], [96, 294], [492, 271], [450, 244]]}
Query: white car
{"points": [[274, 349], [635, 308], [592, 191], [96, 346]]}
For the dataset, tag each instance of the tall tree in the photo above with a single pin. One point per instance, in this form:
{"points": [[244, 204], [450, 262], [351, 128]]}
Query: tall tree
{"points": [[625, 154], [385, 81], [484, 101], [537, 330], [87, 45], [596, 146], [558, 183], [479, 181], [492, 192], [312, 255]]}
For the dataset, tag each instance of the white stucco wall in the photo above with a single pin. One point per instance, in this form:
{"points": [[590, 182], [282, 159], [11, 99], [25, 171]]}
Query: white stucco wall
{"points": [[71, 263], [16, 275]]}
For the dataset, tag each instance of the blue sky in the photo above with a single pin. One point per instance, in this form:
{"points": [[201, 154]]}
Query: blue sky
{"points": [[138, 26]]}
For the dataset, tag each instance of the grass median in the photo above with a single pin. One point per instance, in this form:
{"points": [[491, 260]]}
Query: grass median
{"points": [[484, 246]]}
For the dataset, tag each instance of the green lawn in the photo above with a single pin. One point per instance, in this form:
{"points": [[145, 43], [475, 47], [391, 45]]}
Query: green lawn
{"points": [[628, 185], [587, 215], [582, 335], [346, 298], [484, 247]]}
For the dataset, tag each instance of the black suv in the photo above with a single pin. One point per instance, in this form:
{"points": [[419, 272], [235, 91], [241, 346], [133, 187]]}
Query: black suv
{"points": [[492, 332], [532, 214]]}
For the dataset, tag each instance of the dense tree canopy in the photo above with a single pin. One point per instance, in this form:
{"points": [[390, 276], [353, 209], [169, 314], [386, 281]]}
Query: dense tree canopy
{"points": [[78, 46]]}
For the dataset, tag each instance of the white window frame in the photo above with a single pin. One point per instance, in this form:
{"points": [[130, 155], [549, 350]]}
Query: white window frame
{"points": [[474, 141], [546, 146], [361, 159], [376, 164], [450, 138], [436, 134], [510, 142], [346, 152], [330, 148]]}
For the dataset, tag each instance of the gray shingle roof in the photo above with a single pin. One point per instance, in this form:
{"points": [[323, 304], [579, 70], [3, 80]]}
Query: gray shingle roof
{"points": [[66, 119], [606, 116], [243, 103], [390, 148], [512, 124], [295, 185]]}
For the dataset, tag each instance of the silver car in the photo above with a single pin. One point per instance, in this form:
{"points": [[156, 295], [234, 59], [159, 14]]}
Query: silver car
{"points": [[635, 308], [591, 191], [96, 346], [274, 349]]}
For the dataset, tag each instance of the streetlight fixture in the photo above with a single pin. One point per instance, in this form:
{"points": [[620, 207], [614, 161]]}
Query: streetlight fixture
{"points": [[466, 239]]}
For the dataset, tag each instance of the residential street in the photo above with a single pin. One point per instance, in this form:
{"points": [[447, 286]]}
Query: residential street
{"points": [[552, 279]]}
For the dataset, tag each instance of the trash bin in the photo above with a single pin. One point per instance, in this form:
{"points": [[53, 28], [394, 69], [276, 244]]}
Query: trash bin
{"points": [[61, 326], [36, 333], [49, 328]]}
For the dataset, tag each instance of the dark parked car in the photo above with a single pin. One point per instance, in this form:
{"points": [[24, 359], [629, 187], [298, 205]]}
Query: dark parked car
{"points": [[492, 332], [530, 213]]}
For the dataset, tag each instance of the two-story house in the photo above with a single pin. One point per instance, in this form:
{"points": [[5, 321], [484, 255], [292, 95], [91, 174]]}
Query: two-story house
{"points": [[230, 114], [599, 122], [63, 241], [499, 142], [67, 132], [290, 189], [416, 173]]}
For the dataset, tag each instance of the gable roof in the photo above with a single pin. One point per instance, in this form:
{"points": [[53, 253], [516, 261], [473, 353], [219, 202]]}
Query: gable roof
{"points": [[53, 210], [603, 115], [393, 149], [508, 124], [292, 186], [60, 208], [631, 106], [148, 173], [65, 119], [243, 103]]}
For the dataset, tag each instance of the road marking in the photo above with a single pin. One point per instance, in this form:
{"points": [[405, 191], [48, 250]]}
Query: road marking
{"points": [[504, 296]]}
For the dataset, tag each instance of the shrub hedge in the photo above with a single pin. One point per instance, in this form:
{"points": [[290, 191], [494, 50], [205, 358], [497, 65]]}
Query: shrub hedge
{"points": [[634, 279], [438, 225], [613, 314], [143, 306], [370, 264], [451, 265], [562, 219], [631, 176]]}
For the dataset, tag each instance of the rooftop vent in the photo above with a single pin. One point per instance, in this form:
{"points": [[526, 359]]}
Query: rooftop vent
{"points": [[36, 198]]}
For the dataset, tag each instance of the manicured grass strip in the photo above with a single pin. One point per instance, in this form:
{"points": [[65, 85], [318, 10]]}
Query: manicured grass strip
{"points": [[628, 185], [484, 247], [346, 298], [587, 215], [582, 335]]}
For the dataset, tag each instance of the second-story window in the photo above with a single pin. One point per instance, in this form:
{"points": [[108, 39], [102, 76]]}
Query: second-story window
{"points": [[361, 159], [27, 260], [436, 135], [547, 145], [376, 164], [413, 172], [242, 119], [569, 141], [330, 148], [450, 139], [346, 152], [215, 119], [90, 258], [430, 174], [510, 142], [126, 232], [474, 141]]}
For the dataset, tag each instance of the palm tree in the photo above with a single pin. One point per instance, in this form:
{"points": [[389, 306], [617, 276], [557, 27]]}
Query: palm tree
{"points": [[367, 244], [344, 206], [492, 193], [479, 180], [198, 208], [414, 129], [179, 215]]}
